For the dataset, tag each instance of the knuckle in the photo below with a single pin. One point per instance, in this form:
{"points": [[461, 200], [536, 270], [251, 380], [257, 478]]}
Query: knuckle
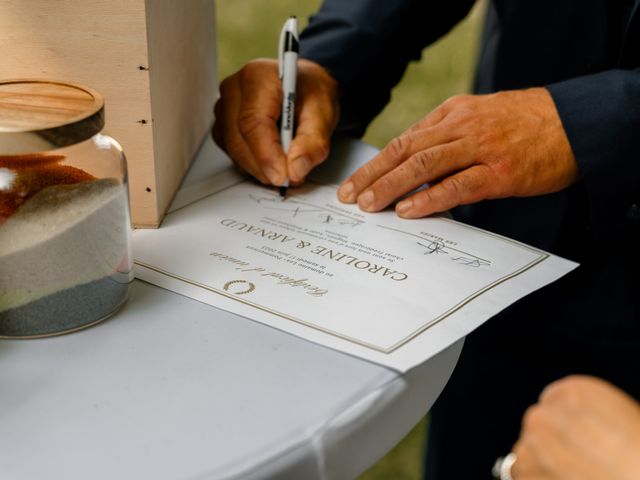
{"points": [[226, 84], [469, 102], [399, 146], [426, 197], [218, 108], [248, 72], [500, 170], [457, 100], [569, 391], [574, 381], [385, 184], [463, 117], [440, 110], [422, 161], [369, 169], [534, 419], [249, 122], [258, 73], [321, 149], [503, 165], [454, 186], [452, 102], [463, 109]]}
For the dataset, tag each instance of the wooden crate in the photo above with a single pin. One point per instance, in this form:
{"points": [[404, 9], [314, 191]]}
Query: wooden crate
{"points": [[153, 60]]}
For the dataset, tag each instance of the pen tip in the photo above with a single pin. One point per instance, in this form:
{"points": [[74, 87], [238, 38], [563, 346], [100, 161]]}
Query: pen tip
{"points": [[283, 191]]}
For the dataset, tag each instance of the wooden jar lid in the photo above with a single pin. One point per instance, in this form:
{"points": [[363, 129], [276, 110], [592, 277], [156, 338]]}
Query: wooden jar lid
{"points": [[41, 115]]}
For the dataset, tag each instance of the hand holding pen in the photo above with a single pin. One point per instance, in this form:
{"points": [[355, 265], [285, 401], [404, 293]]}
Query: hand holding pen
{"points": [[249, 110]]}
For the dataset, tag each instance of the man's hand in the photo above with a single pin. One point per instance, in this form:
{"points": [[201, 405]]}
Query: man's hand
{"points": [[582, 429], [470, 148], [247, 114]]}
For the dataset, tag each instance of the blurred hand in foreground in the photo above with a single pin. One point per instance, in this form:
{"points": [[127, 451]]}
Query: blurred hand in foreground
{"points": [[247, 114], [470, 148], [582, 428]]}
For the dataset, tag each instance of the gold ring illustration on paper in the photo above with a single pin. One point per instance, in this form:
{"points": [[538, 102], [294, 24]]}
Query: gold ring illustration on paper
{"points": [[250, 286]]}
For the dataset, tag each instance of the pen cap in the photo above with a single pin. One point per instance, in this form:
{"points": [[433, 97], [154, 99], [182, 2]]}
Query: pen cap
{"points": [[288, 41]]}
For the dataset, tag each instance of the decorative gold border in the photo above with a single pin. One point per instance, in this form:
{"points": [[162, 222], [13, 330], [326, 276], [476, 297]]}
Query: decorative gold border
{"points": [[377, 348]]}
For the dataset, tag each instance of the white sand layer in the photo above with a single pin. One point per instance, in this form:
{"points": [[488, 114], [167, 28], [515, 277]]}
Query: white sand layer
{"points": [[62, 237]]}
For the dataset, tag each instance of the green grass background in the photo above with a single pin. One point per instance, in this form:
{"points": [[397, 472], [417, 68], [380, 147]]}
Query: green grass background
{"points": [[249, 29]]}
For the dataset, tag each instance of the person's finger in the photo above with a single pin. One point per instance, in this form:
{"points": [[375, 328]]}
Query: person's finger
{"points": [[317, 113], [574, 387], [586, 398], [468, 186], [228, 136], [422, 167], [539, 449], [526, 466], [307, 151], [310, 146], [393, 154], [258, 120]]}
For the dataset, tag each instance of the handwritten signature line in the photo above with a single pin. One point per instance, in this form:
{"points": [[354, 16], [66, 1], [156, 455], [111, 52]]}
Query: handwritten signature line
{"points": [[428, 240], [274, 199]]}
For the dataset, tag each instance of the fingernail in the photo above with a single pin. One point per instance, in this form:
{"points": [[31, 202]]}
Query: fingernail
{"points": [[345, 192], [273, 175], [404, 207], [366, 200], [299, 168]]}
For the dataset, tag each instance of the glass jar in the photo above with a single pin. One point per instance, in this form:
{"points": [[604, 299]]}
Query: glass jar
{"points": [[65, 235]]}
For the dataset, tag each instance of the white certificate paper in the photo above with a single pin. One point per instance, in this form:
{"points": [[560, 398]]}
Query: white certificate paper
{"points": [[389, 290]]}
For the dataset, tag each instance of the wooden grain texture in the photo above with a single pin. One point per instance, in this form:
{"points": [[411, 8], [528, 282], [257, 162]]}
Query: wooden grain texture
{"points": [[104, 45], [183, 82], [27, 105]]}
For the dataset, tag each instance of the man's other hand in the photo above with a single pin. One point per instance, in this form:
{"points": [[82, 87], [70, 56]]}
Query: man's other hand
{"points": [[470, 148]]}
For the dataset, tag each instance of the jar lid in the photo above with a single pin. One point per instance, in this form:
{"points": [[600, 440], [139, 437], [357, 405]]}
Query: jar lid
{"points": [[42, 115]]}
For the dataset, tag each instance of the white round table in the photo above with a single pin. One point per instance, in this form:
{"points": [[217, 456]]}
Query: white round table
{"points": [[170, 388]]}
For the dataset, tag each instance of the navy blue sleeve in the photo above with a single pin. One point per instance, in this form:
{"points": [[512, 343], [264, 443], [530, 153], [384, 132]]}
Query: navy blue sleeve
{"points": [[601, 116], [366, 46]]}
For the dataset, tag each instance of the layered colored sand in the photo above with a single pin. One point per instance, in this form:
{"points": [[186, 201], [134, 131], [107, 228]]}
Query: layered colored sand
{"points": [[32, 173], [63, 251]]}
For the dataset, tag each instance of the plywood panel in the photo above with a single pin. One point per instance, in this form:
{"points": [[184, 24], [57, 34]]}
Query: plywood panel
{"points": [[183, 81]]}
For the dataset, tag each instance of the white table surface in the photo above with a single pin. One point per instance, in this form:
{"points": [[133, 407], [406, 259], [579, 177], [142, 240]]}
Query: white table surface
{"points": [[170, 388]]}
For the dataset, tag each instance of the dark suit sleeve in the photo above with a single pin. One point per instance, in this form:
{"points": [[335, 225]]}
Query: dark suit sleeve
{"points": [[601, 116], [367, 44]]}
